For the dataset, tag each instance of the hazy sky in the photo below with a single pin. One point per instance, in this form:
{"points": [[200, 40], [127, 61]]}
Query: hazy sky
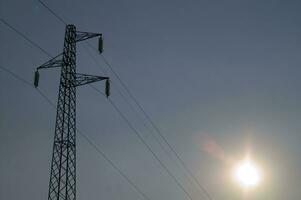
{"points": [[208, 72]]}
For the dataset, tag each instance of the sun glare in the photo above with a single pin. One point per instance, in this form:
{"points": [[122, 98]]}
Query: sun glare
{"points": [[247, 174]]}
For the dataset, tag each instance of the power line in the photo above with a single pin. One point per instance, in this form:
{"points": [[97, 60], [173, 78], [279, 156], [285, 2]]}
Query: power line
{"points": [[127, 102], [27, 83], [147, 146], [156, 128], [132, 108], [89, 141], [127, 121], [207, 194], [16, 76], [58, 17], [116, 168], [95, 60], [25, 37], [153, 125]]}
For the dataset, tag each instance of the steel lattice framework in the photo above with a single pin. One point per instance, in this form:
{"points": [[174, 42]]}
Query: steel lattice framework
{"points": [[62, 185]]}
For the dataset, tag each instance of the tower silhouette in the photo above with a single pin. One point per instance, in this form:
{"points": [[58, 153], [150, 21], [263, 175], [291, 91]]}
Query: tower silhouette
{"points": [[62, 184]]}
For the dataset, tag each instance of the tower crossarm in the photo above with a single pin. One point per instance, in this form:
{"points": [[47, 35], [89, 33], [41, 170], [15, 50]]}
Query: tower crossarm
{"points": [[83, 79], [57, 61], [81, 36]]}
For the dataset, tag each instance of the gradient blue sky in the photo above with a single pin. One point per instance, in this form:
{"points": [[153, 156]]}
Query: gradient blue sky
{"points": [[222, 72]]}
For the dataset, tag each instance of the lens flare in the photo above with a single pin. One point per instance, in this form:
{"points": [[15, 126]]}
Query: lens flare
{"points": [[247, 174]]}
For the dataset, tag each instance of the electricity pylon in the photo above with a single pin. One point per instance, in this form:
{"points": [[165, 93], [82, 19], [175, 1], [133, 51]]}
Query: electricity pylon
{"points": [[62, 184]]}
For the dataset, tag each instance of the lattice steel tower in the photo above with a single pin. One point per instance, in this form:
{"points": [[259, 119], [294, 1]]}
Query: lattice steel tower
{"points": [[62, 185]]}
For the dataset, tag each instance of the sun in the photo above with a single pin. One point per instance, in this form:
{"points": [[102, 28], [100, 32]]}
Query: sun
{"points": [[247, 174]]}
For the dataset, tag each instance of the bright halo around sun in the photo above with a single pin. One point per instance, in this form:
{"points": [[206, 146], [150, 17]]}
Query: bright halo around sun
{"points": [[247, 174]]}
